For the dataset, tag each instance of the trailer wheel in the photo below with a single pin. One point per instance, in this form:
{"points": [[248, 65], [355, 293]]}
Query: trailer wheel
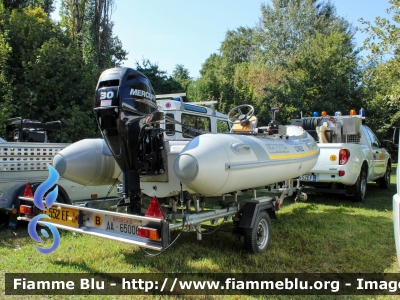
{"points": [[257, 239], [361, 187], [62, 196], [11, 220], [384, 182], [4, 217]]}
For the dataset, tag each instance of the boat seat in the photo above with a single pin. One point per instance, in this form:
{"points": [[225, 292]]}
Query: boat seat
{"points": [[250, 127], [323, 134]]}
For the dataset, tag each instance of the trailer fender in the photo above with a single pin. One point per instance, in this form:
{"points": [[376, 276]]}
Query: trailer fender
{"points": [[251, 210], [13, 218]]}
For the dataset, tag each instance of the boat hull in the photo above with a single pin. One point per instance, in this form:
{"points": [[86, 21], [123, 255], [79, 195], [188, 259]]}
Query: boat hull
{"points": [[216, 164], [210, 164], [88, 162]]}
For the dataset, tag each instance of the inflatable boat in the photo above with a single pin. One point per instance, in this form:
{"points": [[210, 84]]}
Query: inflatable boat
{"points": [[163, 147], [216, 164]]}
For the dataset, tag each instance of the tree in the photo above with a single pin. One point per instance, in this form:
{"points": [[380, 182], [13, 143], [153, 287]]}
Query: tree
{"points": [[44, 75], [73, 18], [161, 82], [4, 54], [209, 85], [277, 63], [287, 24], [90, 26], [324, 76], [62, 88], [49, 70], [181, 75], [257, 84], [382, 73], [238, 46], [26, 31], [103, 47], [46, 5]]}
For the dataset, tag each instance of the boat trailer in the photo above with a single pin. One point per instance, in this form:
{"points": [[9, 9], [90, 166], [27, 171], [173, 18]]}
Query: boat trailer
{"points": [[250, 212]]}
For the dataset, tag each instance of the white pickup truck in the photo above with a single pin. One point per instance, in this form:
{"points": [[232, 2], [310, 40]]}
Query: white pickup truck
{"points": [[350, 156]]}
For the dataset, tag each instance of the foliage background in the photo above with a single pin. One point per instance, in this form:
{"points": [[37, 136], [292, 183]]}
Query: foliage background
{"points": [[301, 57]]}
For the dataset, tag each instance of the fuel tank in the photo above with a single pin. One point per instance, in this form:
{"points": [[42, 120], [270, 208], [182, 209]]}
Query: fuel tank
{"points": [[87, 162], [216, 164]]}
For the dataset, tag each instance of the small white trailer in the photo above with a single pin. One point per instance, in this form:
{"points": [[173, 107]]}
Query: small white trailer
{"points": [[25, 160], [251, 218]]}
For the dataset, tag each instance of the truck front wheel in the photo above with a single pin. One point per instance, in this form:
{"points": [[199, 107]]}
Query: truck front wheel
{"points": [[384, 182], [258, 238], [361, 187]]}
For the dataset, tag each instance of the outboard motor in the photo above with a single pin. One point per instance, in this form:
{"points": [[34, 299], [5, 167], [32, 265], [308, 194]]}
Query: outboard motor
{"points": [[125, 106]]}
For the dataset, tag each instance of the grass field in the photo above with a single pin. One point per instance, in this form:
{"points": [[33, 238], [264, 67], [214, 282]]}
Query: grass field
{"points": [[326, 234]]}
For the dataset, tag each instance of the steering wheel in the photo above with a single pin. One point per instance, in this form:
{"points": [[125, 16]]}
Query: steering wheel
{"points": [[242, 118]]}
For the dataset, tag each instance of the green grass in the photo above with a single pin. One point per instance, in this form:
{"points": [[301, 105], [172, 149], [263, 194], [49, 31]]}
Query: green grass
{"points": [[325, 234]]}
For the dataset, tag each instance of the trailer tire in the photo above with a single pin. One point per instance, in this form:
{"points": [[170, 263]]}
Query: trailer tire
{"points": [[258, 238], [384, 181], [62, 196], [361, 187], [4, 218]]}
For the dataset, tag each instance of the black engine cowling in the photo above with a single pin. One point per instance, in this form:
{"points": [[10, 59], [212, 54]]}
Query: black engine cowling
{"points": [[125, 105]]}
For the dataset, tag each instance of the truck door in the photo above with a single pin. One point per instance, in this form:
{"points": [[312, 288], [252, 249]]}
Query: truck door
{"points": [[378, 156]]}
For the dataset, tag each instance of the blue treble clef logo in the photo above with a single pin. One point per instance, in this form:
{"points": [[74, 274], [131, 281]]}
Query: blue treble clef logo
{"points": [[38, 201]]}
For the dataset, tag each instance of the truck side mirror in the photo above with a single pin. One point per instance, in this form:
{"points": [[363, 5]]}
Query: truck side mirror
{"points": [[396, 136], [385, 144]]}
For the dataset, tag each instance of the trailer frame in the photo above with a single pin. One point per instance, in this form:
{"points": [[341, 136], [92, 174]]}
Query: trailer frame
{"points": [[247, 216]]}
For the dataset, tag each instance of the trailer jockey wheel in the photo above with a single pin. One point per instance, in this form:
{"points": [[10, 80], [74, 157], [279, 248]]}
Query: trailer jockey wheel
{"points": [[134, 208], [258, 238]]}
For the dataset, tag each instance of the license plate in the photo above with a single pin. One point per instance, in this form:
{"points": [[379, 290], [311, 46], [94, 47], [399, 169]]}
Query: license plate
{"points": [[116, 224], [308, 177], [62, 216]]}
